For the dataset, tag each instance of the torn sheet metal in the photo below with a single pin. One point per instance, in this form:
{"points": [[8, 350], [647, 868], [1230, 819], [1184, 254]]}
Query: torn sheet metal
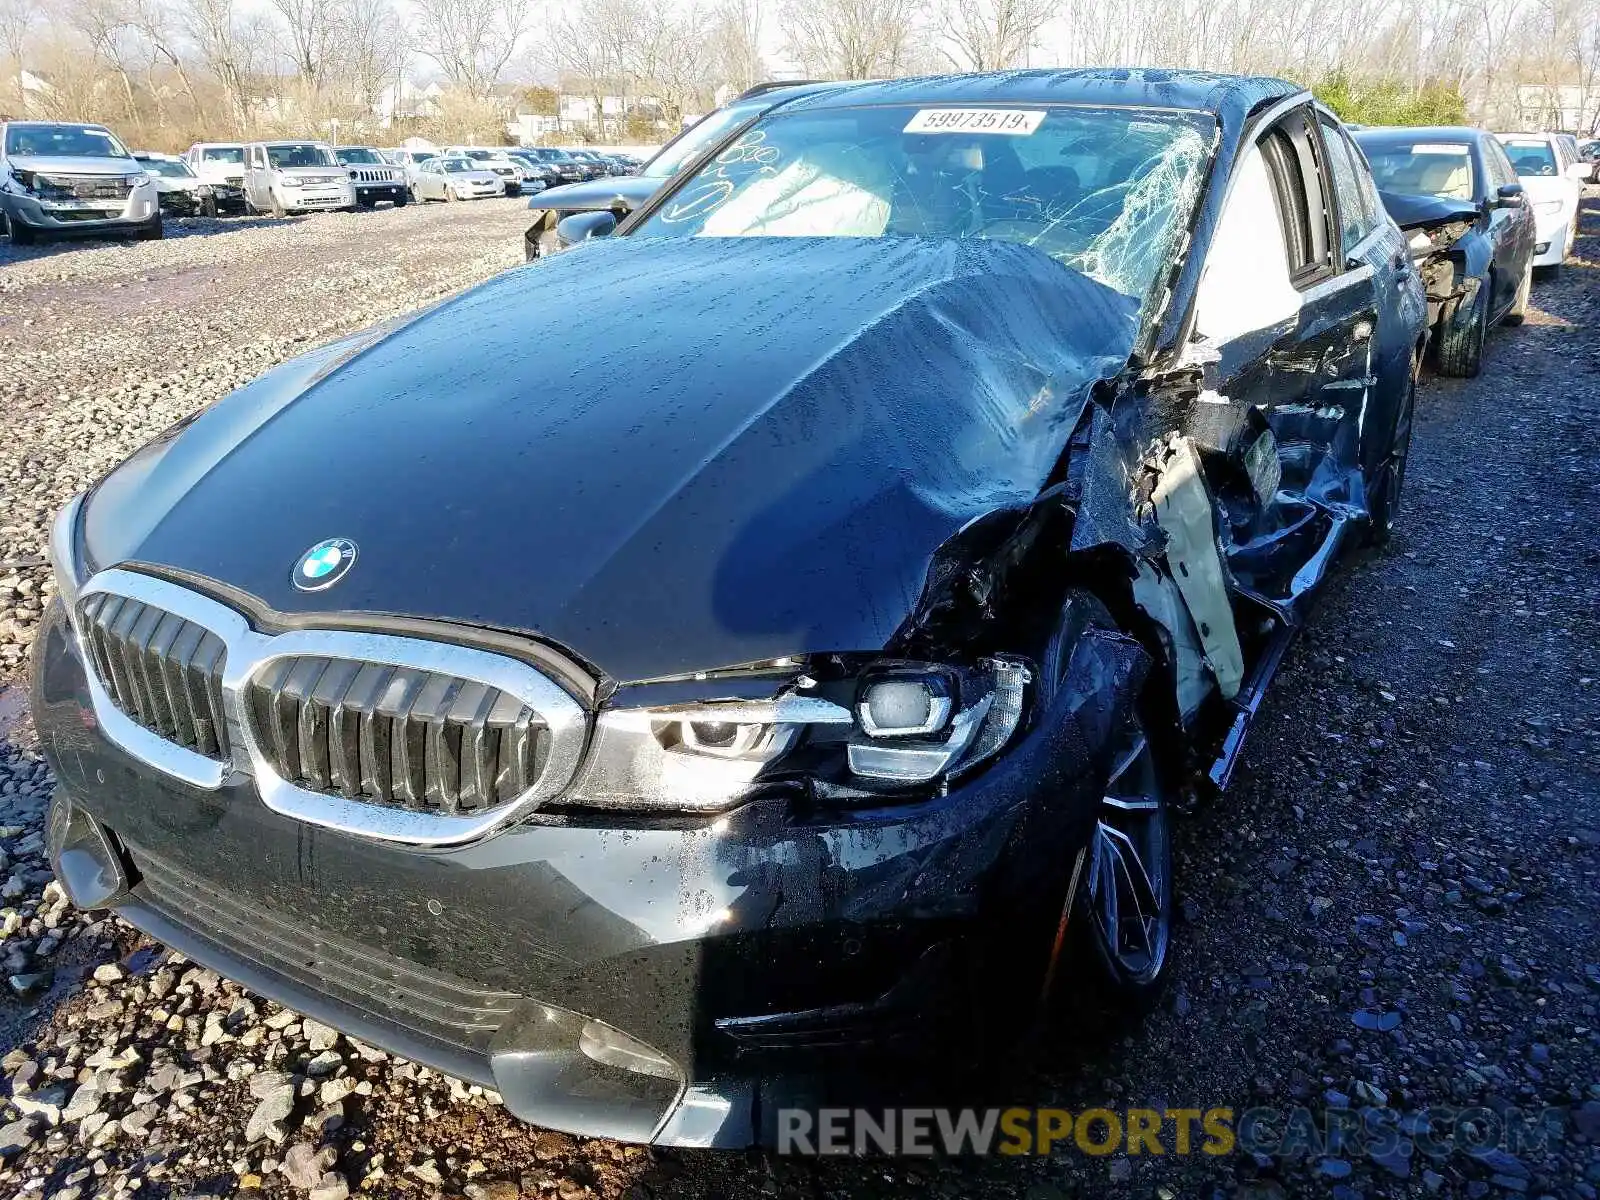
{"points": [[1183, 509]]}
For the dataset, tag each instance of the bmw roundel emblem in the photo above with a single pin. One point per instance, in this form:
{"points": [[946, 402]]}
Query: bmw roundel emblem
{"points": [[324, 564]]}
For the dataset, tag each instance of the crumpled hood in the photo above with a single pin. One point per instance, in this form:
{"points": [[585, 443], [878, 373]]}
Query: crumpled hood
{"points": [[667, 454], [1427, 212], [54, 164]]}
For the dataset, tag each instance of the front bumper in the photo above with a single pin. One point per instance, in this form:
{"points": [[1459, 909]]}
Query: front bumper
{"points": [[1550, 249], [372, 193], [320, 197], [773, 956], [84, 216]]}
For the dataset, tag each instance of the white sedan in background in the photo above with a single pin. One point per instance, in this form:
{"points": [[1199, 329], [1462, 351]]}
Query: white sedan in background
{"points": [[1550, 177], [445, 178]]}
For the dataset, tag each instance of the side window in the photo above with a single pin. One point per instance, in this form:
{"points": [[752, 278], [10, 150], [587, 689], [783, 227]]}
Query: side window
{"points": [[1292, 155], [1497, 167], [1355, 218], [1248, 281]]}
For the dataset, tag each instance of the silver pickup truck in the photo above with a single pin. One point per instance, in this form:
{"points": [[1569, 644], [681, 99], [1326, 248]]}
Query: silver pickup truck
{"points": [[61, 178]]}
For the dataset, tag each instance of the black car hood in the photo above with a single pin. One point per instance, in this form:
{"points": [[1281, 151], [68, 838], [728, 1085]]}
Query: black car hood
{"points": [[1427, 212], [621, 191], [667, 455]]}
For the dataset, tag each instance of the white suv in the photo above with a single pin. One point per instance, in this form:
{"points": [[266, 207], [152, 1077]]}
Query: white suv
{"points": [[289, 177], [221, 164], [61, 177]]}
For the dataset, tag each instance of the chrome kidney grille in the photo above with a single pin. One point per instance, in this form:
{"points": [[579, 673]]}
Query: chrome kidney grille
{"points": [[395, 736], [400, 738], [159, 670]]}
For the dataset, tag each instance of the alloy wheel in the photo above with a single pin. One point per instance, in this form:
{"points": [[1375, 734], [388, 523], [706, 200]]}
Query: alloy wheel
{"points": [[1129, 867]]}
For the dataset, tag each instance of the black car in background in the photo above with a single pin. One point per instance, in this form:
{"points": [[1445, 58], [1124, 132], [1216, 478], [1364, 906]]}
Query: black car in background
{"points": [[621, 194], [784, 678], [1472, 233]]}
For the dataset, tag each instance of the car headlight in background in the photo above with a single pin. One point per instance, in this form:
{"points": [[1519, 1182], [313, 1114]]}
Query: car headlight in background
{"points": [[910, 725], [1548, 207]]}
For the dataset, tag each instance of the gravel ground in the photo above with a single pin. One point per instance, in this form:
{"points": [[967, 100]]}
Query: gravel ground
{"points": [[1397, 905]]}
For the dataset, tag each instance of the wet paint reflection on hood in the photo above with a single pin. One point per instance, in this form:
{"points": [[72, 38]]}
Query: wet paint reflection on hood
{"points": [[752, 448]]}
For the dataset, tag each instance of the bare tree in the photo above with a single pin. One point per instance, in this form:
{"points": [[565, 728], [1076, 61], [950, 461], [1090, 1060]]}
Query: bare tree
{"points": [[312, 33], [735, 34], [990, 35], [854, 39], [374, 41], [471, 40], [226, 48], [17, 21]]}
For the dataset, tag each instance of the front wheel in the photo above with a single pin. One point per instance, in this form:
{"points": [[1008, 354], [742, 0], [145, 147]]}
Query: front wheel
{"points": [[152, 230], [450, 195], [277, 206], [1120, 900], [208, 206], [1461, 344], [21, 234], [400, 200]]}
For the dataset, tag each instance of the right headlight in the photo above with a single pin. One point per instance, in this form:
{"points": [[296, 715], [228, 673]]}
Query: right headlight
{"points": [[895, 726]]}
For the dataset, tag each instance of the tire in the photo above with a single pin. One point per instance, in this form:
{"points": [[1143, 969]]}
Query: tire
{"points": [[1518, 312], [1461, 347], [151, 231], [21, 234], [277, 206], [400, 200], [1120, 913], [1383, 496], [450, 196]]}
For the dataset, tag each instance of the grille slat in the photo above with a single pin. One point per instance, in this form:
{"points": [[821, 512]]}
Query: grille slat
{"points": [[399, 737], [160, 671]]}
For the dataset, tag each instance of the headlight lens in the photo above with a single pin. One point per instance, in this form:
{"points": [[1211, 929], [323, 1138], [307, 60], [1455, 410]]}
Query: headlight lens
{"points": [[64, 553], [1548, 207], [912, 724], [141, 177]]}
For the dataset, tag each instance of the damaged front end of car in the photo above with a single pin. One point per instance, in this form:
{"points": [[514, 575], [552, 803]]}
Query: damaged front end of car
{"points": [[1451, 263]]}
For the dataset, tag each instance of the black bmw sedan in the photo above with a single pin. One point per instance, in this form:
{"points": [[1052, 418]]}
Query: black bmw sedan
{"points": [[790, 681], [1454, 192]]}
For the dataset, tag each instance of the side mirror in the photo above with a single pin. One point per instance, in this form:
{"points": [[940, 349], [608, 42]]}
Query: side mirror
{"points": [[580, 227], [1509, 195]]}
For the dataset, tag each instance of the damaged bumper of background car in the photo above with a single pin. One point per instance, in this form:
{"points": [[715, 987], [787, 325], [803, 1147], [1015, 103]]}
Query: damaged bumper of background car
{"points": [[606, 974]]}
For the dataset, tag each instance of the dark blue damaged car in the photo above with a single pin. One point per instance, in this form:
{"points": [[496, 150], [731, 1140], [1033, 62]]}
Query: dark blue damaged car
{"points": [[787, 673]]}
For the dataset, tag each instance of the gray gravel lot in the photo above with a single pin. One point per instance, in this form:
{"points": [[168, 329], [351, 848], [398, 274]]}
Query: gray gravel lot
{"points": [[1397, 905]]}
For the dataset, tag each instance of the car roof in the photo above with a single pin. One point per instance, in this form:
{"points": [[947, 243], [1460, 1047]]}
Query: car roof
{"points": [[1391, 134], [59, 124], [1203, 91]]}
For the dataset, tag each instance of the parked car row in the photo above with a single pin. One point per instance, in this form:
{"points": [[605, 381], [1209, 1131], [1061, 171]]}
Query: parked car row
{"points": [[1484, 211], [61, 178]]}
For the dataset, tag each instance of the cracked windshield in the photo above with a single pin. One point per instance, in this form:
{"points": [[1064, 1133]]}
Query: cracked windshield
{"points": [[1102, 191]]}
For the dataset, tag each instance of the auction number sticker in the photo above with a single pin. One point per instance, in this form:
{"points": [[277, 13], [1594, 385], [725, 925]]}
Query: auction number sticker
{"points": [[1019, 122]]}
